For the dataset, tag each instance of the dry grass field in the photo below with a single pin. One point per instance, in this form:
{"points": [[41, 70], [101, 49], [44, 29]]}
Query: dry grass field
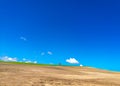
{"points": [[34, 75]]}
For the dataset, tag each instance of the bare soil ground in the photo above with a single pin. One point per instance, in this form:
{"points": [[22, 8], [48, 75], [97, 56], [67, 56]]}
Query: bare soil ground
{"points": [[32, 75]]}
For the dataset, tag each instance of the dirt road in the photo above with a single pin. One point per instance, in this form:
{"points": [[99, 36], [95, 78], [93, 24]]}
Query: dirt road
{"points": [[32, 75]]}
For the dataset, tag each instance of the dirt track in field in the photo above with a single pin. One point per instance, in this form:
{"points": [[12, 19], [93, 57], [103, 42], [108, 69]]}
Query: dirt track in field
{"points": [[31, 75]]}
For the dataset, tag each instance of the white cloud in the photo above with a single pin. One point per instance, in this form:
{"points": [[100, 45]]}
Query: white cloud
{"points": [[35, 62], [28, 62], [49, 52], [51, 63], [24, 59], [43, 53], [72, 61], [81, 65], [23, 38], [7, 58]]}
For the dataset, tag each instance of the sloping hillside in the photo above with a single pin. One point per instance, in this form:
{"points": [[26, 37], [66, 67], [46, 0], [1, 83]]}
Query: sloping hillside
{"points": [[35, 75]]}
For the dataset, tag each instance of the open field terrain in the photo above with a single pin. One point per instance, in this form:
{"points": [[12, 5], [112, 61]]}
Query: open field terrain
{"points": [[35, 75]]}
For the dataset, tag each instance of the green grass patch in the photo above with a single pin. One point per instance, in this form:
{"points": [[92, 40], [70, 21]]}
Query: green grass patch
{"points": [[38, 64], [23, 63]]}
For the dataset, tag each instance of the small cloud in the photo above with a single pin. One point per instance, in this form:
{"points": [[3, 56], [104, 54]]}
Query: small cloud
{"points": [[35, 62], [7, 58], [81, 65], [51, 63], [24, 59], [49, 53], [28, 62], [72, 61], [23, 38], [43, 53]]}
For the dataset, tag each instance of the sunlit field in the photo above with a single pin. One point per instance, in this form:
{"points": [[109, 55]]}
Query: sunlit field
{"points": [[28, 74]]}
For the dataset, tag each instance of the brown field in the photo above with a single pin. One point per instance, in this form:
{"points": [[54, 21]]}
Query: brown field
{"points": [[33, 75]]}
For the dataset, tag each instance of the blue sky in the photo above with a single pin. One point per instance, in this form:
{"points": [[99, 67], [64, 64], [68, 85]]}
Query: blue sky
{"points": [[61, 31]]}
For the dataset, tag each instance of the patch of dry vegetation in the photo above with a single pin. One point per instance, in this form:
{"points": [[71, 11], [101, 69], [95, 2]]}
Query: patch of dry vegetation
{"points": [[32, 75]]}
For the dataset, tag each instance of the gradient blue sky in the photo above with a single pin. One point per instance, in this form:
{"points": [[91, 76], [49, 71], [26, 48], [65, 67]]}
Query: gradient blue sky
{"points": [[88, 30]]}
